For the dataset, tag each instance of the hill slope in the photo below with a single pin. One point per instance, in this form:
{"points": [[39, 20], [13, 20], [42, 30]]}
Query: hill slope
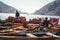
{"points": [[7, 9], [52, 8]]}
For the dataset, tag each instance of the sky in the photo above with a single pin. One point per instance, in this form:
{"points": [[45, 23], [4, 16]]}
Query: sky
{"points": [[29, 6]]}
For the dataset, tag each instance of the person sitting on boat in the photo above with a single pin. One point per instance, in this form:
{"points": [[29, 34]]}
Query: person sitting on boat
{"points": [[46, 22]]}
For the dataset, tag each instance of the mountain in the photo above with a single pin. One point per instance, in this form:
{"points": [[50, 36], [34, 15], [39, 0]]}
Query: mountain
{"points": [[4, 8], [52, 8]]}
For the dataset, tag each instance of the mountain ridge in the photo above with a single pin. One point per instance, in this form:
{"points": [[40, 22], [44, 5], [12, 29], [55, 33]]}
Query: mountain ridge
{"points": [[50, 9], [4, 8]]}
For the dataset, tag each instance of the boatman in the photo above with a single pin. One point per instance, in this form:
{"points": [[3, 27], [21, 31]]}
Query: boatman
{"points": [[17, 14]]}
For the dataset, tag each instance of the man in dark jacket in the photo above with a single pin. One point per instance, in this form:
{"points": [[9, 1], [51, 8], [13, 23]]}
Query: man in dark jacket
{"points": [[17, 14], [46, 22]]}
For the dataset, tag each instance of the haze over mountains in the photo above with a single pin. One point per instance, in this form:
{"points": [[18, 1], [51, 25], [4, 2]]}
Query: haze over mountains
{"points": [[52, 8]]}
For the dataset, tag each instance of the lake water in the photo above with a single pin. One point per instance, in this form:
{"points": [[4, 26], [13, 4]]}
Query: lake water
{"points": [[3, 16]]}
